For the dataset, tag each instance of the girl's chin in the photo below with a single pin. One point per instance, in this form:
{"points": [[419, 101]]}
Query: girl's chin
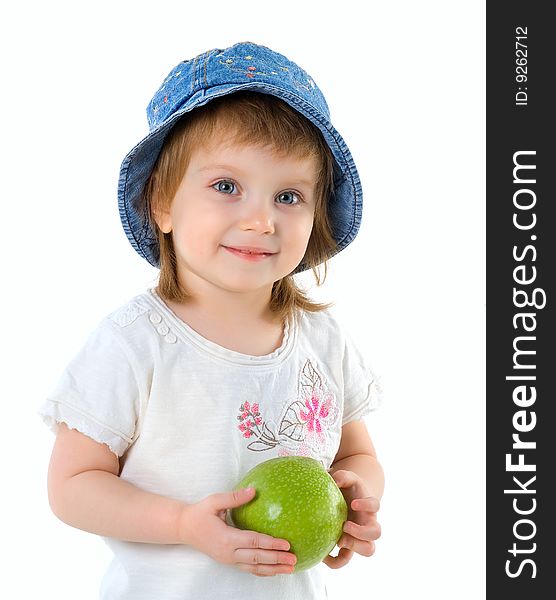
{"points": [[246, 277]]}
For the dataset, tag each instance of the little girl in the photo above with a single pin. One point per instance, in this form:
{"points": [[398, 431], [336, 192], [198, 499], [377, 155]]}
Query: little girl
{"points": [[241, 182]]}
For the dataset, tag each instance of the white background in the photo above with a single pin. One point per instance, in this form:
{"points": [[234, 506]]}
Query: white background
{"points": [[405, 82]]}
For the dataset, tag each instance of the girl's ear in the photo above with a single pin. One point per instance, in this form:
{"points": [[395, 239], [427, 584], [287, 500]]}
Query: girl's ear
{"points": [[163, 220], [160, 211]]}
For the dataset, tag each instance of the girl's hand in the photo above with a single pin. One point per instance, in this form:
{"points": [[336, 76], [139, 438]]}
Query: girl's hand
{"points": [[361, 528], [203, 526]]}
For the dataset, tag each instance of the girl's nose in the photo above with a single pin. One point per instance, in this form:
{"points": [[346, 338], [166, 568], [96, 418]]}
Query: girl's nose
{"points": [[257, 216]]}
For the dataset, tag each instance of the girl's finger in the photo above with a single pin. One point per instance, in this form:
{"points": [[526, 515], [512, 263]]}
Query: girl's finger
{"points": [[365, 548], [369, 504], [254, 539], [264, 557], [363, 532], [342, 559], [345, 479], [264, 570]]}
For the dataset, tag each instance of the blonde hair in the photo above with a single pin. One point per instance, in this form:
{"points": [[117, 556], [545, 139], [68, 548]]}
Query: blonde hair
{"points": [[245, 118]]}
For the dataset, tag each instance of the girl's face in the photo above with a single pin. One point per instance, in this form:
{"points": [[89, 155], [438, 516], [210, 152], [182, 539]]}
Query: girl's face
{"points": [[241, 218]]}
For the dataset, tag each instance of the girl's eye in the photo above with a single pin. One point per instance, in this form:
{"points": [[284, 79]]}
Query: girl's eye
{"points": [[288, 198], [225, 186]]}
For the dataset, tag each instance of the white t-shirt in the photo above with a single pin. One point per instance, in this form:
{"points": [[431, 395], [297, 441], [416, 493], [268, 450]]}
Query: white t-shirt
{"points": [[188, 418]]}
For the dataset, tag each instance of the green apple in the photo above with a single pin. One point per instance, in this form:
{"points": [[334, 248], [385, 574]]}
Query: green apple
{"points": [[297, 500]]}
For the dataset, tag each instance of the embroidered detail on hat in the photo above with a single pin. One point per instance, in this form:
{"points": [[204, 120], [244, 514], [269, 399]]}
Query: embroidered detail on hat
{"points": [[236, 64], [304, 425], [127, 314]]}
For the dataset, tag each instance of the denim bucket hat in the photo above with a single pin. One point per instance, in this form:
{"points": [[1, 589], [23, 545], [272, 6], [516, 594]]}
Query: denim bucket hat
{"points": [[193, 83]]}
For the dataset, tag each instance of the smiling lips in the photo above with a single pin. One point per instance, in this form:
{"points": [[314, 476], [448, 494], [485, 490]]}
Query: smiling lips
{"points": [[249, 252]]}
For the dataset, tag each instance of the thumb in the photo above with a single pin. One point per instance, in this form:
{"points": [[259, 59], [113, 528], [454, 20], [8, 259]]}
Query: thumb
{"points": [[234, 498]]}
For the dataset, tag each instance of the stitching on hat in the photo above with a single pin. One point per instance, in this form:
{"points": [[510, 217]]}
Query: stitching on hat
{"points": [[193, 73], [125, 205], [145, 230], [198, 73]]}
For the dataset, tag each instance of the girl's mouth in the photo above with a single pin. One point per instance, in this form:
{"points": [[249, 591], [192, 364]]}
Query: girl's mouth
{"points": [[249, 253]]}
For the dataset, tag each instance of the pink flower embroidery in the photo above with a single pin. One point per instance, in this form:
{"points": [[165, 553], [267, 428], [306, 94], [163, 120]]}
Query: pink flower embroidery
{"points": [[249, 418], [317, 415], [304, 424]]}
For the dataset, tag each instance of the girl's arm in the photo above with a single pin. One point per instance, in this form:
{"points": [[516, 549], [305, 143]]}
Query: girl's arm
{"points": [[357, 454], [85, 491], [359, 476]]}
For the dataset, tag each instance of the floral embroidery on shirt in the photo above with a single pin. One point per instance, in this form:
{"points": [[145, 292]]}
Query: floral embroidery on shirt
{"points": [[303, 427]]}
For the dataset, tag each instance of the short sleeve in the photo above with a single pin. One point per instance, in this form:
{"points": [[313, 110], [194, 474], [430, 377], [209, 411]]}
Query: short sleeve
{"points": [[99, 392], [362, 392]]}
